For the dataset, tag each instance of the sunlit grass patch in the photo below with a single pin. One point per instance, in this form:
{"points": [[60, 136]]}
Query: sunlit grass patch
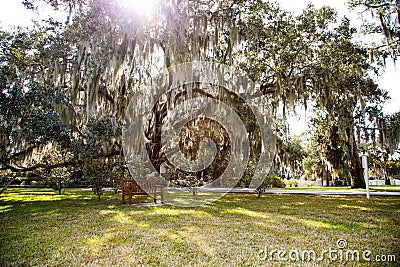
{"points": [[241, 211], [5, 208], [354, 207], [320, 224]]}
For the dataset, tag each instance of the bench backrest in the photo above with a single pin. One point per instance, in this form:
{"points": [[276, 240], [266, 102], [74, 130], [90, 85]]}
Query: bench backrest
{"points": [[138, 185]]}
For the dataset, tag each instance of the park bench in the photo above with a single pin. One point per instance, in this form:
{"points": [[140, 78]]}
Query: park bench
{"points": [[132, 187]]}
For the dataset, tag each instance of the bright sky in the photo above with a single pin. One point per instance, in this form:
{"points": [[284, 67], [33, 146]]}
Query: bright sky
{"points": [[13, 13]]}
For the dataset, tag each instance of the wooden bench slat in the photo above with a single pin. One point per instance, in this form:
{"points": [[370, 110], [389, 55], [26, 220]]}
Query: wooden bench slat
{"points": [[132, 187]]}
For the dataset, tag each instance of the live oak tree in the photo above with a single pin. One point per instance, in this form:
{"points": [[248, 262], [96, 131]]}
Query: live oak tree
{"points": [[28, 118], [307, 64], [90, 66], [382, 18], [356, 92], [104, 53], [31, 102]]}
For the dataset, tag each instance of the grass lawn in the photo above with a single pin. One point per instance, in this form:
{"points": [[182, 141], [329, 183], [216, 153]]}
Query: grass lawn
{"points": [[385, 188], [40, 228]]}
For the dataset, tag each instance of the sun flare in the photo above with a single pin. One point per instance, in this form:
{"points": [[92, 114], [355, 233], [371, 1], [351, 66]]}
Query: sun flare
{"points": [[142, 7]]}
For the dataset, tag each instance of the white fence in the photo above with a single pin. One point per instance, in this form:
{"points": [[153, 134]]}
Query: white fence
{"points": [[305, 183], [382, 182]]}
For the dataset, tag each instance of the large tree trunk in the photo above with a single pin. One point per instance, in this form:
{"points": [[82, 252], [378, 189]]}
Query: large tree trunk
{"points": [[382, 140], [387, 179], [384, 170], [154, 134], [356, 170], [59, 187]]}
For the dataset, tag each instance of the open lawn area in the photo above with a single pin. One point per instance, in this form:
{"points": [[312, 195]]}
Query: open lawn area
{"points": [[40, 228]]}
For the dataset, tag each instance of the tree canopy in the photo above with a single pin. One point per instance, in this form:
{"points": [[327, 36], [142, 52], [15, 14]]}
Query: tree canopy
{"points": [[69, 83]]}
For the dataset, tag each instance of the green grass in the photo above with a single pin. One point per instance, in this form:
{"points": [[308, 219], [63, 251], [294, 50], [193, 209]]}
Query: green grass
{"points": [[386, 188], [40, 228]]}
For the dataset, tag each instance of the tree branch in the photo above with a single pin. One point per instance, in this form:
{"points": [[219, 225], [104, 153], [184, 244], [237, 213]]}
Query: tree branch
{"points": [[8, 166]]}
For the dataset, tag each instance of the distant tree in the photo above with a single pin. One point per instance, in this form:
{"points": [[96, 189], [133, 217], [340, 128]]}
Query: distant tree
{"points": [[119, 171], [97, 172], [270, 181], [290, 151], [327, 153], [100, 140], [58, 177]]}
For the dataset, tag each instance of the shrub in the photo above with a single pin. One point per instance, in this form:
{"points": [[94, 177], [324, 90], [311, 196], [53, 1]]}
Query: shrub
{"points": [[250, 168], [97, 172], [292, 182], [269, 182], [56, 178], [278, 182]]}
